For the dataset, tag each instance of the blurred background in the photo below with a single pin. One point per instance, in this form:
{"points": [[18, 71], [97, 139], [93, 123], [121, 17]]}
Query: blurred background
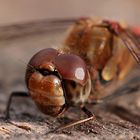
{"points": [[13, 11], [24, 30]]}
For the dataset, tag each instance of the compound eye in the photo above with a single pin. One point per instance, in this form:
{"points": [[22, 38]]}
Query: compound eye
{"points": [[47, 92], [41, 61], [72, 67]]}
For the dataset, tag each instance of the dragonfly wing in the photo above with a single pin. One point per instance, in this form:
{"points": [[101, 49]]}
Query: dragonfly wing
{"points": [[37, 27], [132, 43]]}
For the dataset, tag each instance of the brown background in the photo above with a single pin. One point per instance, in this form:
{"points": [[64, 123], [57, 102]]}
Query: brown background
{"points": [[12, 11]]}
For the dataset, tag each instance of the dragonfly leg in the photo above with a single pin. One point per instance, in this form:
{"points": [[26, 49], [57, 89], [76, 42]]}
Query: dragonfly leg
{"points": [[86, 111], [13, 94], [7, 113]]}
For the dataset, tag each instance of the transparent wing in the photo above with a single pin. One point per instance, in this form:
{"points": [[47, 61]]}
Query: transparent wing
{"points": [[36, 27], [127, 35], [132, 42]]}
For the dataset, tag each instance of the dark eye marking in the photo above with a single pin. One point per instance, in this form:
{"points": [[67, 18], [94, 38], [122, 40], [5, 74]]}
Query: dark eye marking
{"points": [[73, 84], [46, 72]]}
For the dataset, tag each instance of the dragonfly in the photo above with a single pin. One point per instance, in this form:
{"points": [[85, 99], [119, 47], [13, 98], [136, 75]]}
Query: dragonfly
{"points": [[93, 54]]}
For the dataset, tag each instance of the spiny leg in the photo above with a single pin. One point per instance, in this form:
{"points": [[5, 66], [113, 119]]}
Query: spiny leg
{"points": [[86, 111], [7, 115], [13, 94]]}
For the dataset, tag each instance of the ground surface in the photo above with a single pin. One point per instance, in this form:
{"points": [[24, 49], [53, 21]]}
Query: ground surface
{"points": [[121, 122]]}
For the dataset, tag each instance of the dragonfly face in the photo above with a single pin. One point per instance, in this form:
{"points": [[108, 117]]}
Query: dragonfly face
{"points": [[56, 81]]}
